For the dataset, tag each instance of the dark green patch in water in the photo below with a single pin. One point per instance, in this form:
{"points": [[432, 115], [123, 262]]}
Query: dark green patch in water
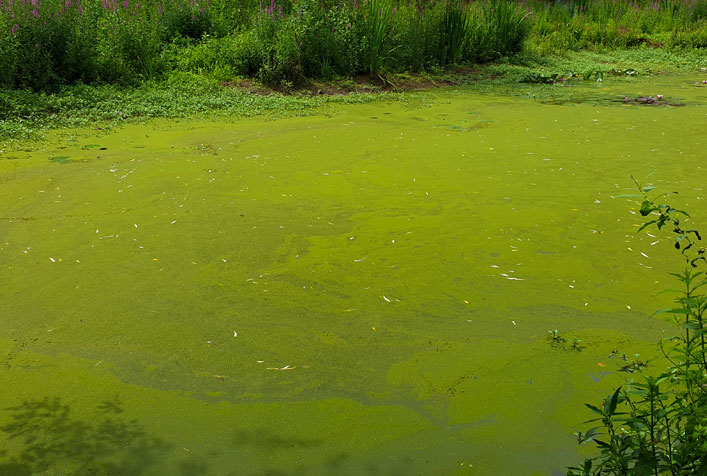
{"points": [[60, 159], [334, 295]]}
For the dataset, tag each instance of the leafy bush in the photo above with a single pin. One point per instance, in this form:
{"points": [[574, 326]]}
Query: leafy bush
{"points": [[128, 43], [418, 34], [49, 43], [330, 40], [182, 19], [659, 426]]}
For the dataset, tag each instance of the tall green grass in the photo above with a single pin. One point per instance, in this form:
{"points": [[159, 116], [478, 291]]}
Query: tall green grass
{"points": [[49, 43], [582, 24], [45, 44], [455, 26]]}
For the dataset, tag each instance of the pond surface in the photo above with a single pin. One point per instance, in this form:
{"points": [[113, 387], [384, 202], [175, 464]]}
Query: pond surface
{"points": [[367, 290]]}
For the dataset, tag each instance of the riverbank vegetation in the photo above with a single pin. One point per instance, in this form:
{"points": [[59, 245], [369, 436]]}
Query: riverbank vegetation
{"points": [[72, 63], [283, 44]]}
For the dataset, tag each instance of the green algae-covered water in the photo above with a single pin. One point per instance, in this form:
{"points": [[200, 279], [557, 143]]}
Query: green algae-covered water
{"points": [[367, 290]]}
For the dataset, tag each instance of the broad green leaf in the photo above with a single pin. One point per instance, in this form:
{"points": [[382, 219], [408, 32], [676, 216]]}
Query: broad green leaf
{"points": [[610, 403], [602, 444], [694, 325], [589, 435], [646, 207]]}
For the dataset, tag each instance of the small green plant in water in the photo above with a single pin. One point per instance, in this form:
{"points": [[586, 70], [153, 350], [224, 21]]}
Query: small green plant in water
{"points": [[560, 342], [659, 426], [576, 344], [633, 365], [555, 337]]}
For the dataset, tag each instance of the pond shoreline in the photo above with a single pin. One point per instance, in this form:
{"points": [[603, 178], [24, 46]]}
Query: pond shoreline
{"points": [[26, 114], [336, 284]]}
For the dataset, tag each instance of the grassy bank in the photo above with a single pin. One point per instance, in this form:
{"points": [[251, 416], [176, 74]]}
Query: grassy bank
{"points": [[25, 114], [56, 42], [50, 43], [67, 63]]}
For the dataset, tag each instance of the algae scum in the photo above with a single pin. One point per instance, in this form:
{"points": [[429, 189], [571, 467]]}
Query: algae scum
{"points": [[366, 290]]}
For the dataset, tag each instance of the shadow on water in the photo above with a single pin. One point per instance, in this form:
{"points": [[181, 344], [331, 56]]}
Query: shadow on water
{"points": [[49, 438], [272, 447], [52, 439], [269, 441]]}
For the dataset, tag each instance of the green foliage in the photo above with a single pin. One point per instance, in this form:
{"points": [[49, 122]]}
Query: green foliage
{"points": [[508, 27], [378, 20], [455, 24], [558, 341], [186, 20], [331, 40], [579, 24], [285, 42], [24, 114], [56, 42], [417, 32], [658, 426], [128, 45]]}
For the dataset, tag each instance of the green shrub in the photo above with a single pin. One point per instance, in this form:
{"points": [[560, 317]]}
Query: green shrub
{"points": [[283, 64], [329, 39], [615, 24], [658, 426], [49, 43], [129, 44], [185, 19], [418, 34]]}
